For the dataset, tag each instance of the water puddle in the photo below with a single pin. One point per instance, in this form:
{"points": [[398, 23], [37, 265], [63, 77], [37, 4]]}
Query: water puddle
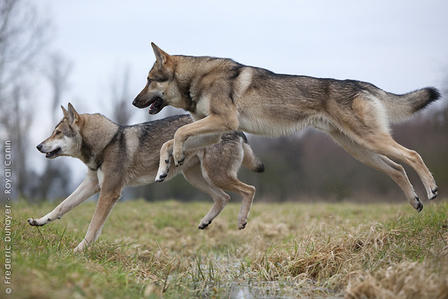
{"points": [[239, 282], [273, 289]]}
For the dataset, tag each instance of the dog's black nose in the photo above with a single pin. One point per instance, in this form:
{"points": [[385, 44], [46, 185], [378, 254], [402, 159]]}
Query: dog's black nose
{"points": [[134, 102], [39, 147]]}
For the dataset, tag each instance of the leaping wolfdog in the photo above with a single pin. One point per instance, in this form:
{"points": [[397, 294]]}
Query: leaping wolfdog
{"points": [[223, 95], [119, 156]]}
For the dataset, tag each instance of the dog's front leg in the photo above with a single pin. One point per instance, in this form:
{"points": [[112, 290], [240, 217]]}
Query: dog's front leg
{"points": [[190, 145], [209, 124], [164, 163], [87, 188], [109, 195]]}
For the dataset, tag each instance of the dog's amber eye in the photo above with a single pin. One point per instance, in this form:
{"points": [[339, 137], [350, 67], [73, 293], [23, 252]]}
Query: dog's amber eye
{"points": [[158, 79], [57, 132]]}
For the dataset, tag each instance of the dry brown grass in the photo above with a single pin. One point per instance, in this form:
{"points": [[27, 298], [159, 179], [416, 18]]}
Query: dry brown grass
{"points": [[402, 280], [154, 249]]}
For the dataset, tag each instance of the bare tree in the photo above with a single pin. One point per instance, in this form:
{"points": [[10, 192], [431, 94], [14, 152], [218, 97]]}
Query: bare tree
{"points": [[58, 76], [22, 35], [120, 97], [19, 134]]}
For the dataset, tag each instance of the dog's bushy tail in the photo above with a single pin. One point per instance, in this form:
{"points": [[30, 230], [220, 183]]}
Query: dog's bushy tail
{"points": [[250, 161], [401, 107]]}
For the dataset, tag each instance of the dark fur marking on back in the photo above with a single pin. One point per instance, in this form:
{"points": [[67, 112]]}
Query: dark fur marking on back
{"points": [[235, 71], [233, 75], [230, 137], [242, 135], [152, 128], [155, 124], [143, 135], [122, 143]]}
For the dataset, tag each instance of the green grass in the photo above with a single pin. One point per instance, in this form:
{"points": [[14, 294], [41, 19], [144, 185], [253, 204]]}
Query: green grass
{"points": [[288, 249]]}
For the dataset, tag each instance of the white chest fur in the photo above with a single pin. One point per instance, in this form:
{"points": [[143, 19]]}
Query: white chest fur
{"points": [[203, 107], [100, 176]]}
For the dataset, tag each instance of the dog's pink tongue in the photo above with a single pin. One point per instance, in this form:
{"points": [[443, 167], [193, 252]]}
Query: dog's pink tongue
{"points": [[151, 108]]}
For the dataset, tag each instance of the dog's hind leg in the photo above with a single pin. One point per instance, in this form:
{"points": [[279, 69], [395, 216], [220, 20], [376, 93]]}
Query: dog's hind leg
{"points": [[395, 171], [229, 182], [367, 125], [385, 145], [247, 193], [193, 174], [87, 188], [220, 166], [109, 194]]}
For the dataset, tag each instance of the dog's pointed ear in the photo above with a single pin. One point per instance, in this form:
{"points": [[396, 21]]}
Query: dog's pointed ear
{"points": [[73, 116], [161, 56], [64, 111]]}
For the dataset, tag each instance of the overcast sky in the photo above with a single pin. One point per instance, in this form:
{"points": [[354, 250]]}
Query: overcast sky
{"points": [[397, 45]]}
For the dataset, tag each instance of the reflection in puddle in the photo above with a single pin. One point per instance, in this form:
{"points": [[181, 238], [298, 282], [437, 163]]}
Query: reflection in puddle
{"points": [[239, 282], [241, 290]]}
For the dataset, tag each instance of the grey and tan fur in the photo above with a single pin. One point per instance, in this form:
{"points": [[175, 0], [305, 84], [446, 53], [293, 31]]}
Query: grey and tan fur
{"points": [[223, 95], [119, 156]]}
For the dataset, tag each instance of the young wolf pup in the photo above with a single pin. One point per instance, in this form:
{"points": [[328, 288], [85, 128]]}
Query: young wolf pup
{"points": [[119, 156], [223, 95]]}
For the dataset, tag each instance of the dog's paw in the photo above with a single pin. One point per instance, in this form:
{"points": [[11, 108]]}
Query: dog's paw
{"points": [[34, 222], [417, 204], [434, 193], [419, 208], [178, 158], [179, 162], [204, 225], [161, 177], [162, 173], [81, 247], [242, 224]]}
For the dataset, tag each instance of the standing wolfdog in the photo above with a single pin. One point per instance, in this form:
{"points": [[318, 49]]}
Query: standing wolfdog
{"points": [[119, 156], [223, 95]]}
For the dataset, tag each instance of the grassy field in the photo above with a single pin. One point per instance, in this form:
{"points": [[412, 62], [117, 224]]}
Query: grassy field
{"points": [[289, 250]]}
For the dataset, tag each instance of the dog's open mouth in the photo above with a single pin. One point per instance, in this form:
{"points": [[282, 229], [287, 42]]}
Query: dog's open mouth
{"points": [[156, 105], [53, 154]]}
